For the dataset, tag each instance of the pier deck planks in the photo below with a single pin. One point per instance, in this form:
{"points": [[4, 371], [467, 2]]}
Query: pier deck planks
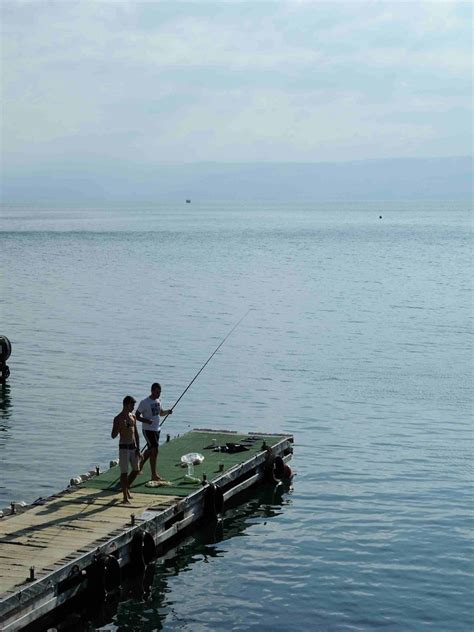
{"points": [[46, 534]]}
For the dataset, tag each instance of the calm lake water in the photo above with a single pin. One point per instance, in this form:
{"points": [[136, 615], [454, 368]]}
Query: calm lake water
{"points": [[359, 343]]}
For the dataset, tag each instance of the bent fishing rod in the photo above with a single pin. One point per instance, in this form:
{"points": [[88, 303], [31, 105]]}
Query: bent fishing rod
{"points": [[204, 366]]}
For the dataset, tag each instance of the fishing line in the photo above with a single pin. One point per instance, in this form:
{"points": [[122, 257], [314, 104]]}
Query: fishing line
{"points": [[205, 364]]}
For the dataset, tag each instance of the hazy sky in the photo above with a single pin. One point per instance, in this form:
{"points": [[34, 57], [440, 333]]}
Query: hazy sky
{"points": [[154, 82]]}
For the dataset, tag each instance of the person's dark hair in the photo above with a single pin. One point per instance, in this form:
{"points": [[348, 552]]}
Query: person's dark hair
{"points": [[155, 385], [128, 399]]}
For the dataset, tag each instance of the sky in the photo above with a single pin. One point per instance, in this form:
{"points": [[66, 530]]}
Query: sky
{"points": [[263, 81]]}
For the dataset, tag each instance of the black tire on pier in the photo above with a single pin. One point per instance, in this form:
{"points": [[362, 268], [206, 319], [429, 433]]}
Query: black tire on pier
{"points": [[142, 549], [279, 467], [213, 502], [104, 576]]}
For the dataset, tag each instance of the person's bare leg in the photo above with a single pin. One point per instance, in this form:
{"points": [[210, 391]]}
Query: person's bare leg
{"points": [[144, 458], [124, 484], [131, 477], [153, 457]]}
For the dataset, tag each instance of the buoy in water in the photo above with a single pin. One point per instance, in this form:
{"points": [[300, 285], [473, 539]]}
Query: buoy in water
{"points": [[5, 349], [5, 352]]}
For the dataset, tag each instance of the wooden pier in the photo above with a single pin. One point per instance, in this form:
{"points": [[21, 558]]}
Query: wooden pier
{"points": [[79, 540]]}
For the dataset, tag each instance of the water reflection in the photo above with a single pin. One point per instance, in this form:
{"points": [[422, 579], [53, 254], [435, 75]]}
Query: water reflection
{"points": [[123, 610], [5, 404]]}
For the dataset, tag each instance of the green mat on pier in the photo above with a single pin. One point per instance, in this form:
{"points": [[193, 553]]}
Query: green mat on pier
{"points": [[169, 462]]}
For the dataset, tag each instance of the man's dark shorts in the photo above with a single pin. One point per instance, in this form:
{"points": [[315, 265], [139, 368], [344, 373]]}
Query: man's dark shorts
{"points": [[152, 438]]}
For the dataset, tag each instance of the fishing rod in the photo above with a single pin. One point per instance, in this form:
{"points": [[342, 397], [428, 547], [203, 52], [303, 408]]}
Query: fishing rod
{"points": [[204, 365]]}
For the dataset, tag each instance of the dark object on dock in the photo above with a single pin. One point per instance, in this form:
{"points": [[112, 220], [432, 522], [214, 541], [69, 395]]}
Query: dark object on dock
{"points": [[234, 447], [5, 352], [80, 540], [230, 448]]}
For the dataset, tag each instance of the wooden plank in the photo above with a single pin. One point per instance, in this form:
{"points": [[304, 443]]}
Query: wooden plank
{"points": [[87, 497], [242, 486], [63, 526], [61, 510]]}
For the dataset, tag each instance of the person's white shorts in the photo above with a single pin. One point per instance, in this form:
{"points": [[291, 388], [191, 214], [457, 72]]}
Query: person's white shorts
{"points": [[127, 454]]}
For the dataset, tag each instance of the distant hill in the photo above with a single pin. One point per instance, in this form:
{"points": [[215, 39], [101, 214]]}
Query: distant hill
{"points": [[427, 178]]}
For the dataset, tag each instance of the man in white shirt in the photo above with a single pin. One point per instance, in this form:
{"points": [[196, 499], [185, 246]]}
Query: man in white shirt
{"points": [[149, 412]]}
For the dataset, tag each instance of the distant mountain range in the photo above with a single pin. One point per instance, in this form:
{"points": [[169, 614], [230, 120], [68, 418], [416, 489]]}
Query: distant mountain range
{"points": [[401, 178]]}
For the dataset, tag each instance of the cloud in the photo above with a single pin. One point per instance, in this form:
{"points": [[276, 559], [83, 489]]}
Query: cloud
{"points": [[243, 81]]}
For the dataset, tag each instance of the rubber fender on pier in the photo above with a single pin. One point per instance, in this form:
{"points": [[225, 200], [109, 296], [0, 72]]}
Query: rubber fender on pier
{"points": [[213, 501], [142, 549], [281, 470], [212, 532], [104, 576], [218, 499], [279, 467], [269, 467], [5, 349]]}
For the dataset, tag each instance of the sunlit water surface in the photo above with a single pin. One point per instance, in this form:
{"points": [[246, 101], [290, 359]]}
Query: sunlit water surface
{"points": [[359, 343]]}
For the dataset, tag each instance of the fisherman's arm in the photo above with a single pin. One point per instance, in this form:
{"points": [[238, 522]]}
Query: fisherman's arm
{"points": [[115, 428], [142, 419], [137, 438]]}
